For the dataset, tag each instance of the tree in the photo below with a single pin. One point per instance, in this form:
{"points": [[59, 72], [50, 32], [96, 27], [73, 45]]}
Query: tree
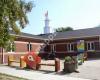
{"points": [[13, 16], [62, 29]]}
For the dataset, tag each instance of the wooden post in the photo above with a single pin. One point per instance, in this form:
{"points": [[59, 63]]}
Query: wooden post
{"points": [[10, 59], [22, 62], [57, 64]]}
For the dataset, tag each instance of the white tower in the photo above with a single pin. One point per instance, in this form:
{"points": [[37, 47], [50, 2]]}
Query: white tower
{"points": [[46, 28]]}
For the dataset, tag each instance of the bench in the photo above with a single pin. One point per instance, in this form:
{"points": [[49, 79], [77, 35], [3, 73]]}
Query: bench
{"points": [[11, 59], [56, 65], [33, 61]]}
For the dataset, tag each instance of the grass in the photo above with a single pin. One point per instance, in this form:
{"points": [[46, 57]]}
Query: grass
{"points": [[9, 77]]}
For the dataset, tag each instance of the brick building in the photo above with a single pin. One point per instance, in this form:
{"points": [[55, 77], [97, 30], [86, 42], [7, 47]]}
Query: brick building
{"points": [[65, 43], [62, 44]]}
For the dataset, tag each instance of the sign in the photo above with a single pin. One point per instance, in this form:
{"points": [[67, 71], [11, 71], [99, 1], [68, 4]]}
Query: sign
{"points": [[32, 59], [80, 46]]}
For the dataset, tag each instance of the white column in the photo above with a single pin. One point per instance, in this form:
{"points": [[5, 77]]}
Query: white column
{"points": [[46, 28], [11, 47]]}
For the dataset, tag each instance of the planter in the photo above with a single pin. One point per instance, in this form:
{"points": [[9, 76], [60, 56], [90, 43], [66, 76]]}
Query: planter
{"points": [[69, 67]]}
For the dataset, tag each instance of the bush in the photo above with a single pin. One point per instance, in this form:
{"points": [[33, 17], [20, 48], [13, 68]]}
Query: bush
{"points": [[68, 59]]}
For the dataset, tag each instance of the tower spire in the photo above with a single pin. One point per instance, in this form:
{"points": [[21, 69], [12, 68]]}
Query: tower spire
{"points": [[46, 14], [46, 28]]}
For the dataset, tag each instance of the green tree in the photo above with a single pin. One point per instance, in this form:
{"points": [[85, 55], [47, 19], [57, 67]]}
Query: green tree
{"points": [[13, 16], [63, 29]]}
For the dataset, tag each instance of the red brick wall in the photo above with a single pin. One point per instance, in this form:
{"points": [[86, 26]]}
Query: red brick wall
{"points": [[21, 46], [20, 49], [16, 56], [61, 47], [36, 47]]}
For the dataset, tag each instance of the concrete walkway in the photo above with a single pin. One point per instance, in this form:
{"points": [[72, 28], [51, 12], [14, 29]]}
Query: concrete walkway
{"points": [[34, 75]]}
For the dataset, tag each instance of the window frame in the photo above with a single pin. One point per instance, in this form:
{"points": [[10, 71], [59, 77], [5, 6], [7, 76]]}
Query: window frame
{"points": [[53, 47], [69, 47], [90, 46], [12, 45], [29, 46]]}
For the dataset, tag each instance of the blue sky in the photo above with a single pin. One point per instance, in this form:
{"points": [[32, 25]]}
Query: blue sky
{"points": [[77, 14]]}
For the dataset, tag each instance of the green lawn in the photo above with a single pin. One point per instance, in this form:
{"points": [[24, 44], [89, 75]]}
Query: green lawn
{"points": [[8, 77]]}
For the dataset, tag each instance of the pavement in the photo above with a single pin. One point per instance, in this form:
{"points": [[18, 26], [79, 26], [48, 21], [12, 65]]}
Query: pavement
{"points": [[35, 75], [89, 70]]}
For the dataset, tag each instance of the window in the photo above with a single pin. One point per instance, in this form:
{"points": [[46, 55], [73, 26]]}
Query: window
{"points": [[70, 47], [52, 48], [29, 46], [90, 46], [10, 47]]}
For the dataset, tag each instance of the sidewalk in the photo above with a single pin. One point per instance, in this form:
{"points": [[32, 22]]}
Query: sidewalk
{"points": [[34, 75]]}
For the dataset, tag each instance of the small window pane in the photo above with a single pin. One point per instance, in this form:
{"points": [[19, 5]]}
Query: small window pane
{"points": [[88, 46], [92, 46], [70, 47], [29, 46]]}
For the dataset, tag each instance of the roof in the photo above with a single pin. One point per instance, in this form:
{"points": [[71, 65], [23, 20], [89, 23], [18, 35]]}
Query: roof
{"points": [[45, 36], [27, 35], [65, 35], [78, 33]]}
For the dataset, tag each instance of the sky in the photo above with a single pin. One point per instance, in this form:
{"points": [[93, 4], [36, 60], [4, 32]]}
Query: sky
{"points": [[78, 14]]}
